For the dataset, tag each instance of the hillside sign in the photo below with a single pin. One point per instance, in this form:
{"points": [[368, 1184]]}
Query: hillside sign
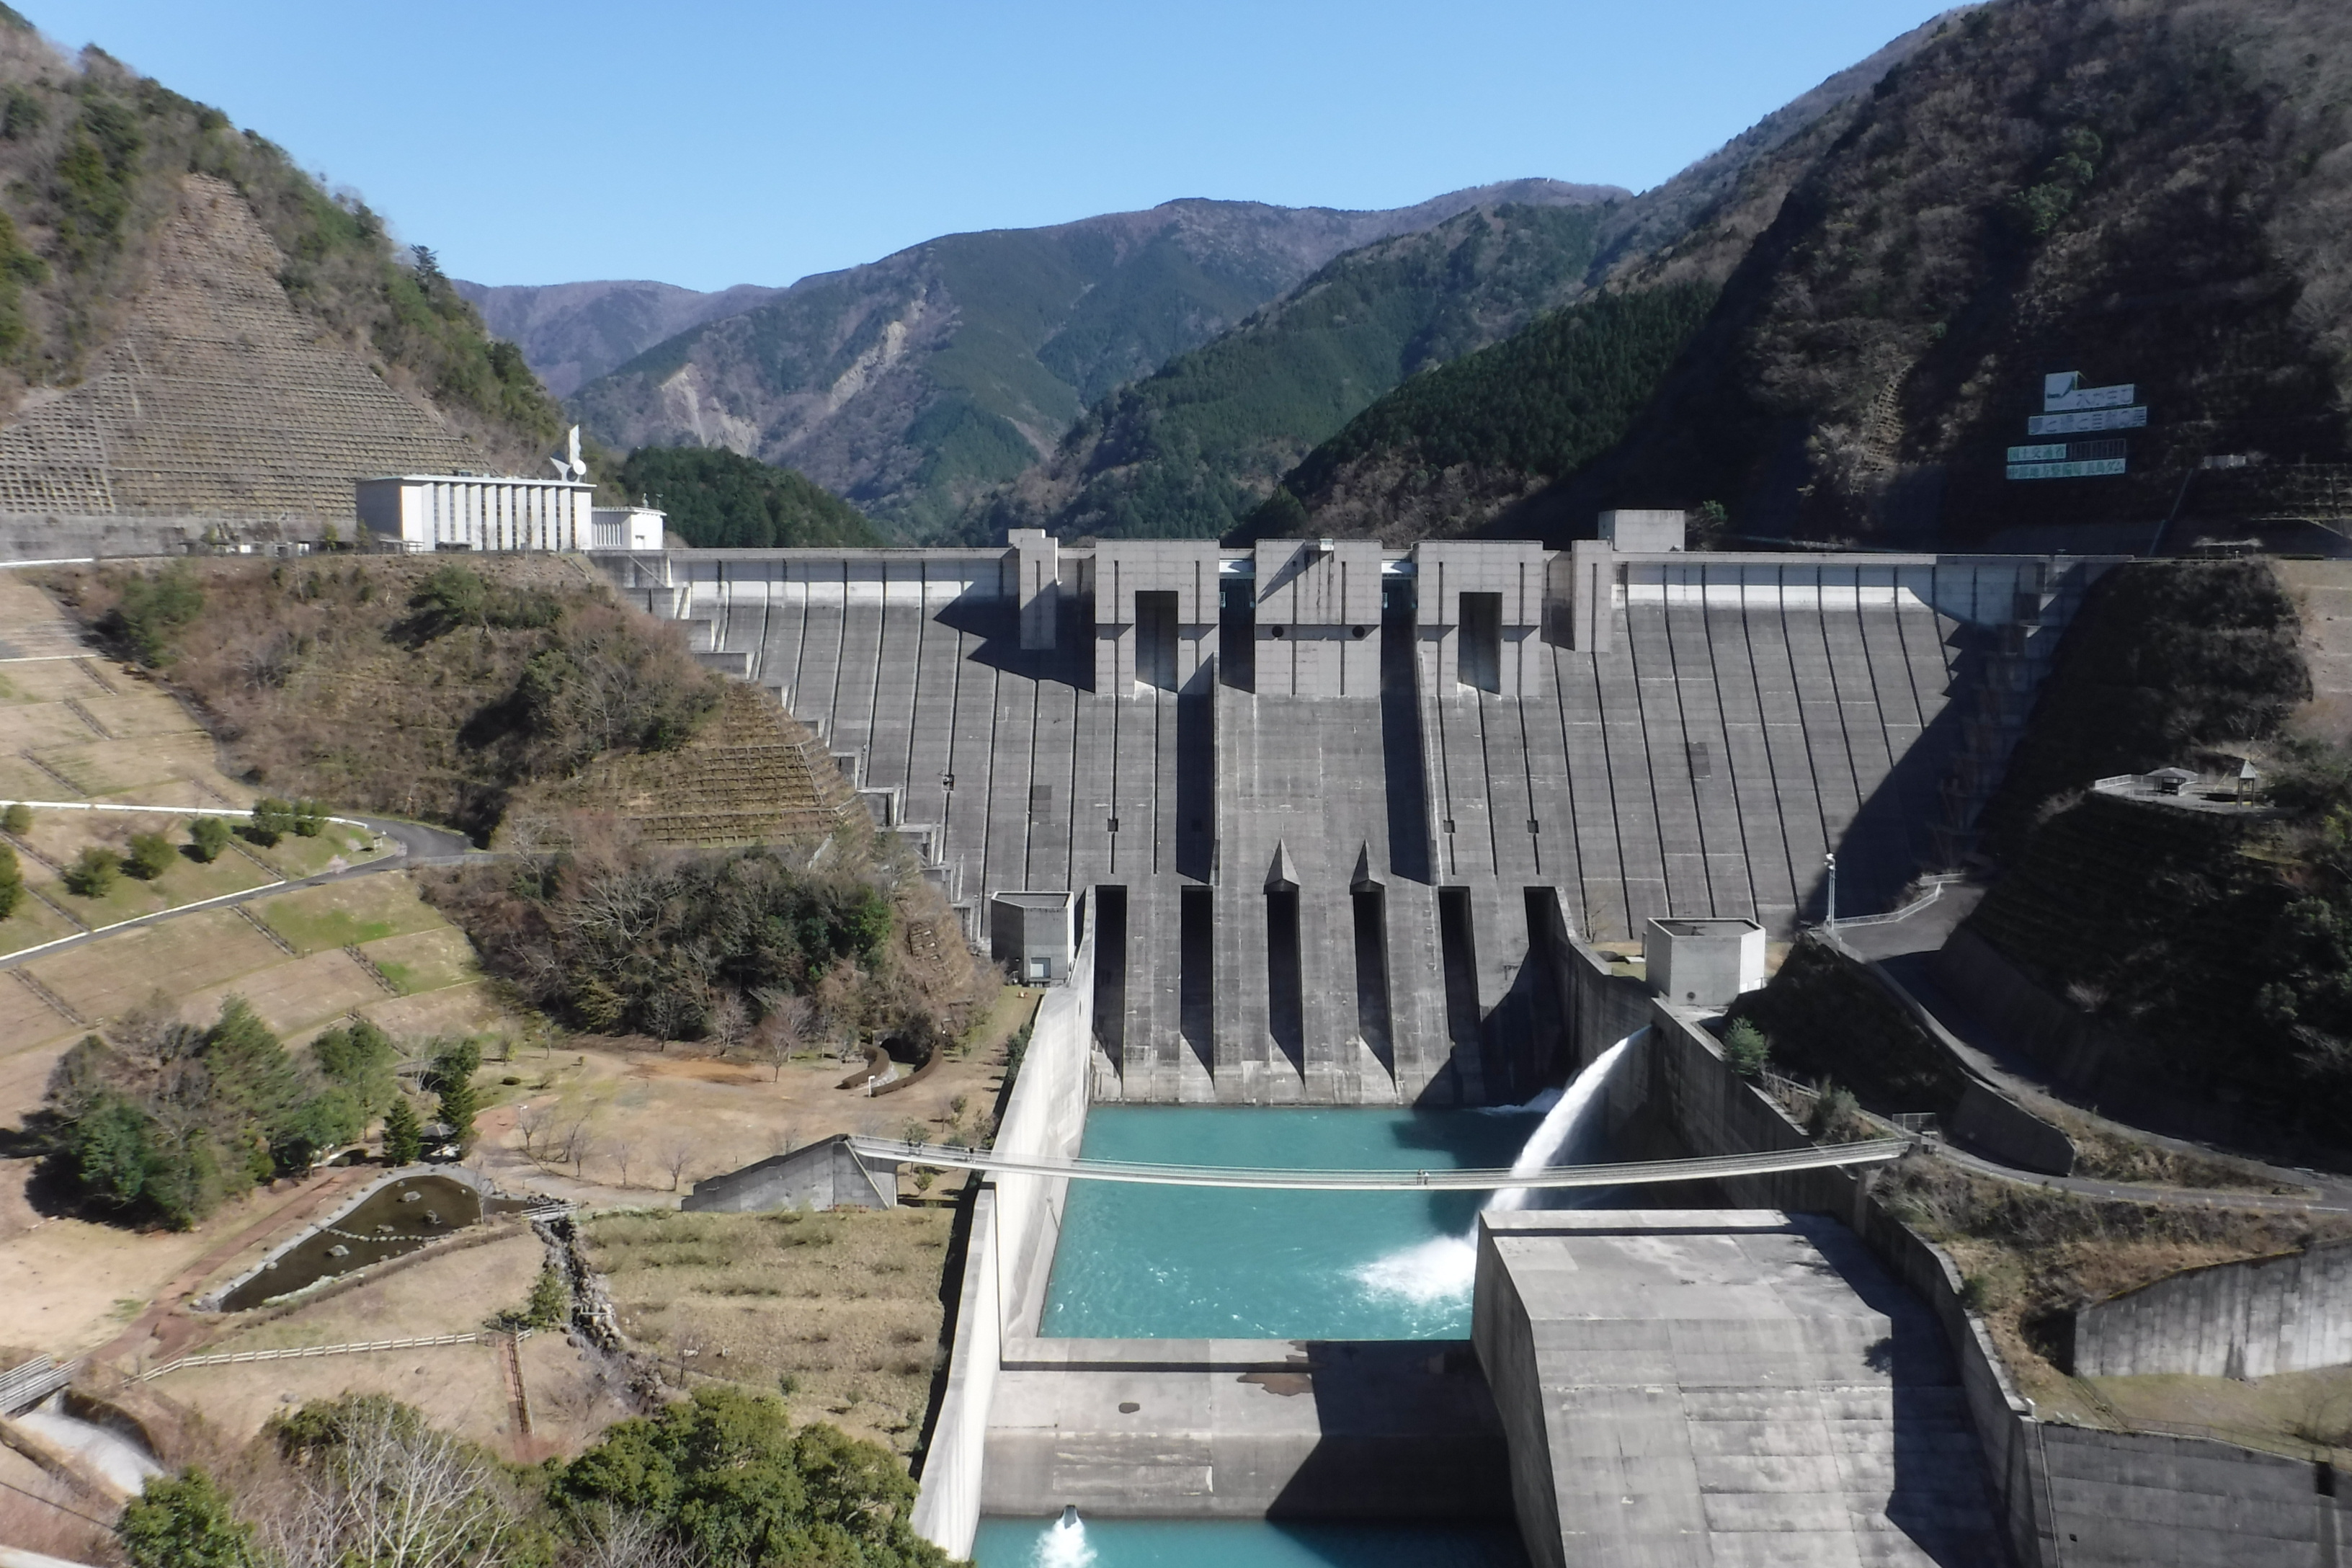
{"points": [[2070, 408]]}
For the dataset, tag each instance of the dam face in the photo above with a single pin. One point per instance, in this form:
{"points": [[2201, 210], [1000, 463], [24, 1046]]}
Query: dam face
{"points": [[1321, 802]]}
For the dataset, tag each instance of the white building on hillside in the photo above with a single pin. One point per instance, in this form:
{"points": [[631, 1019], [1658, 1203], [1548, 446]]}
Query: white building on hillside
{"points": [[419, 512], [476, 511]]}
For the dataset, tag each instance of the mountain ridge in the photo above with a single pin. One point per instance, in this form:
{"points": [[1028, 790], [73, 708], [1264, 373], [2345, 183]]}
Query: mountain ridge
{"points": [[909, 385]]}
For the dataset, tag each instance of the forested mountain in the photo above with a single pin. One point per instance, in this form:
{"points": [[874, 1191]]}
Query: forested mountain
{"points": [[99, 171], [910, 384], [1447, 450], [2146, 194], [1191, 449], [573, 333], [1196, 449], [721, 499]]}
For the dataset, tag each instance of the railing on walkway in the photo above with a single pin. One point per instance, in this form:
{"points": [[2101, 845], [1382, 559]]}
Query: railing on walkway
{"points": [[293, 1352], [25, 1384], [1935, 885], [1873, 1152]]}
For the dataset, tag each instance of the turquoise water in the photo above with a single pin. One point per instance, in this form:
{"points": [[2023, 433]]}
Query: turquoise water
{"points": [[1150, 1262], [1242, 1544]]}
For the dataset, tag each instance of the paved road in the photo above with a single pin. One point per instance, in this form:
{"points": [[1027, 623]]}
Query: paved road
{"points": [[419, 846]]}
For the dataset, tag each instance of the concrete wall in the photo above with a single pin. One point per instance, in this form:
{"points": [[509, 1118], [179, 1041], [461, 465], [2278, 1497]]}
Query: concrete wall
{"points": [[1318, 618], [823, 1175], [1016, 1220], [1124, 568], [1514, 570], [2233, 1319], [946, 1507], [43, 536], [2127, 1500]]}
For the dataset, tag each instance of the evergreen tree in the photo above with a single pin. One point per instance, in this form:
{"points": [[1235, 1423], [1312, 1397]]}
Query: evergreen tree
{"points": [[151, 855], [184, 1521], [403, 1139], [12, 882], [18, 819], [209, 835]]}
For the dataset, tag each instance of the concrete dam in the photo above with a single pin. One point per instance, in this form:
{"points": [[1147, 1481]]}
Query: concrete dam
{"points": [[1317, 850], [1325, 800]]}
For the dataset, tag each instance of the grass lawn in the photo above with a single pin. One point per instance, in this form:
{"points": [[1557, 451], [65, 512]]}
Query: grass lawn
{"points": [[426, 960], [46, 681], [137, 714], [109, 767], [839, 1312], [347, 914], [33, 923], [128, 900], [108, 977], [294, 857]]}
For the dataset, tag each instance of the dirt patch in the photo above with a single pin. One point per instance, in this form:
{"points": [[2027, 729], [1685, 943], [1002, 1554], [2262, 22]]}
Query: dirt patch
{"points": [[839, 1312]]}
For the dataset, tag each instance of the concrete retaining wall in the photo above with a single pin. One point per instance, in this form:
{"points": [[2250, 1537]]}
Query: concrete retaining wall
{"points": [[1016, 1221], [2233, 1319], [2068, 1496], [825, 1175]]}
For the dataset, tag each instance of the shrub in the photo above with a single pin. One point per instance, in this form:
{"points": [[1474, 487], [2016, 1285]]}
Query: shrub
{"points": [[12, 882], [18, 819], [94, 872], [272, 820], [152, 611], [309, 816], [184, 1521], [209, 836], [151, 855], [1747, 1048], [725, 1473]]}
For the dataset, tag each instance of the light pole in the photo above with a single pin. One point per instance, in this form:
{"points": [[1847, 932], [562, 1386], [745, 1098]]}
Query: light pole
{"points": [[1829, 863]]}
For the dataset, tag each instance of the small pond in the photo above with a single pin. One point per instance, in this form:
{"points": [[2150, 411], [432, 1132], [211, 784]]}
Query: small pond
{"points": [[398, 1218]]}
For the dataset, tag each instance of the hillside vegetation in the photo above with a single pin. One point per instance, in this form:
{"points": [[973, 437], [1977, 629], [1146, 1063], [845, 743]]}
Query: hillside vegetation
{"points": [[2164, 662], [92, 158], [2211, 950], [1447, 451], [721, 1477], [397, 685], [718, 499], [2145, 194], [914, 383], [1191, 449]]}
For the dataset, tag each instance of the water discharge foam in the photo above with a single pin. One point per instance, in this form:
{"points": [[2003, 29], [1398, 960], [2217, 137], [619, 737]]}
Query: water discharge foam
{"points": [[1443, 1267]]}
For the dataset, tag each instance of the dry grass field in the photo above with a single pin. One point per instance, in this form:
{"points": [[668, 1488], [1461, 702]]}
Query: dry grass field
{"points": [[462, 1387], [839, 1312]]}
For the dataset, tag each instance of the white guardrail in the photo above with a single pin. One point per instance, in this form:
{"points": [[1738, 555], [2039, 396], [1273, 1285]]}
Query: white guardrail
{"points": [[176, 909]]}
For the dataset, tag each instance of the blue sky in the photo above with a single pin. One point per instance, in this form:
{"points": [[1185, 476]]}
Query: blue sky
{"points": [[737, 143]]}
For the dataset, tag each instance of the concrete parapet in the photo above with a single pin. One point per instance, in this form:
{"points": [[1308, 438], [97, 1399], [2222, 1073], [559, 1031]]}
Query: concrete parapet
{"points": [[1318, 609], [823, 1175], [2247, 1320]]}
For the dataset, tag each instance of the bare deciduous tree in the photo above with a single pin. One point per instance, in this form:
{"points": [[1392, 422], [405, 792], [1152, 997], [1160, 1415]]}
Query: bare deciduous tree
{"points": [[727, 1022], [532, 1123], [395, 1491], [624, 1154], [619, 1538], [784, 1031], [574, 1146], [677, 1155]]}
